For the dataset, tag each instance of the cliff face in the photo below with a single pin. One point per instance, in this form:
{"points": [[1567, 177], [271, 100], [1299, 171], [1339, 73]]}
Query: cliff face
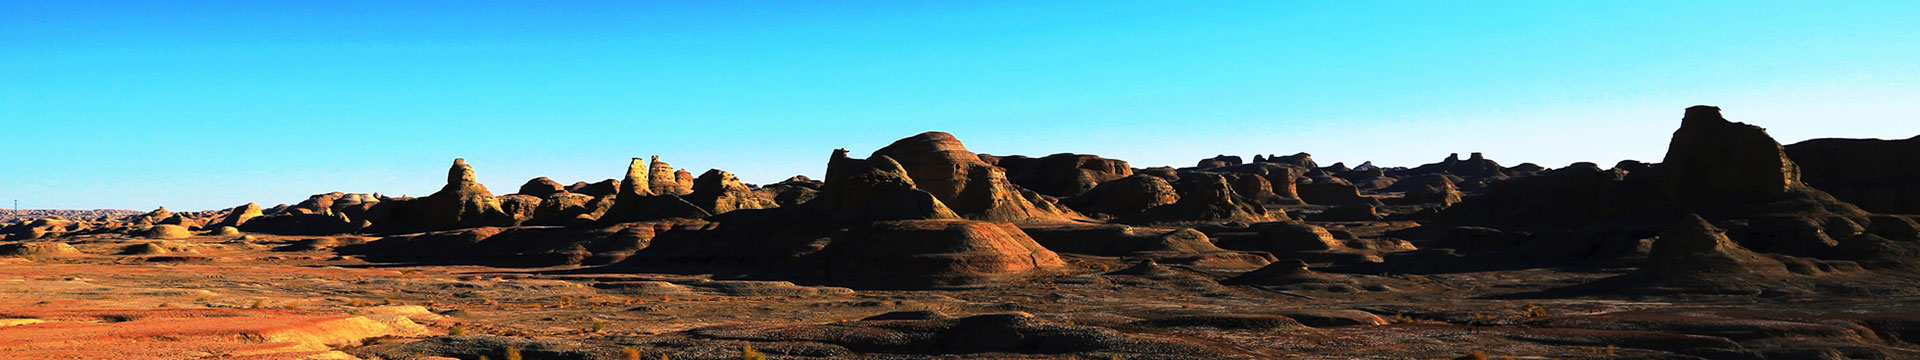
{"points": [[1712, 159], [1881, 176]]}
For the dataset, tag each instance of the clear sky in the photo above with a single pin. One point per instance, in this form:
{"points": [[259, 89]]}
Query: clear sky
{"points": [[205, 105]]}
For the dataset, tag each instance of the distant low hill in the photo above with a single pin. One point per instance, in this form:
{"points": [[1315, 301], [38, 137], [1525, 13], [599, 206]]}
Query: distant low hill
{"points": [[8, 215]]}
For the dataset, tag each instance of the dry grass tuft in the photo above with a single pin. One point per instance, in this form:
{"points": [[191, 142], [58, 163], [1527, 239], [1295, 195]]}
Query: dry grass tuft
{"points": [[747, 353]]}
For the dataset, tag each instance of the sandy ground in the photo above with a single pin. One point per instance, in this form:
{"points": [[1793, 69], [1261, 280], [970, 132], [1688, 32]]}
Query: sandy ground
{"points": [[225, 298]]}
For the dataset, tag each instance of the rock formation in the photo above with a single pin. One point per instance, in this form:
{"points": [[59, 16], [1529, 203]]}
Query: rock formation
{"points": [[1280, 179], [1878, 175], [1430, 189], [1120, 240], [1127, 196], [239, 215], [934, 254], [541, 187], [1474, 166], [876, 188], [1060, 175], [517, 209], [1284, 237], [1285, 272], [462, 203], [1693, 247], [1714, 160], [973, 189], [793, 191], [1206, 198], [1300, 160], [651, 195], [663, 179], [719, 192], [168, 232], [635, 184], [1333, 191]]}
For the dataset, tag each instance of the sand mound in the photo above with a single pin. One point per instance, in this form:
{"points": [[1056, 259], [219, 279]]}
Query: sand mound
{"points": [[41, 249]]}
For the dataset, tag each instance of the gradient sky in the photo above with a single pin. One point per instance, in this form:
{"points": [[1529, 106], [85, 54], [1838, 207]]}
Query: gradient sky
{"points": [[210, 105]]}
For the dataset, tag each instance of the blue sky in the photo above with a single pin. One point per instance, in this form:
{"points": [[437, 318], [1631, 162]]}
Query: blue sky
{"points": [[205, 105]]}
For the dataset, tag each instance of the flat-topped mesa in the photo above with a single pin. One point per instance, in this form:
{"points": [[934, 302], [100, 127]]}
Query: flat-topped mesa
{"points": [[1302, 160], [1475, 166], [1723, 168], [1711, 158], [1219, 161], [1878, 175], [940, 165]]}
